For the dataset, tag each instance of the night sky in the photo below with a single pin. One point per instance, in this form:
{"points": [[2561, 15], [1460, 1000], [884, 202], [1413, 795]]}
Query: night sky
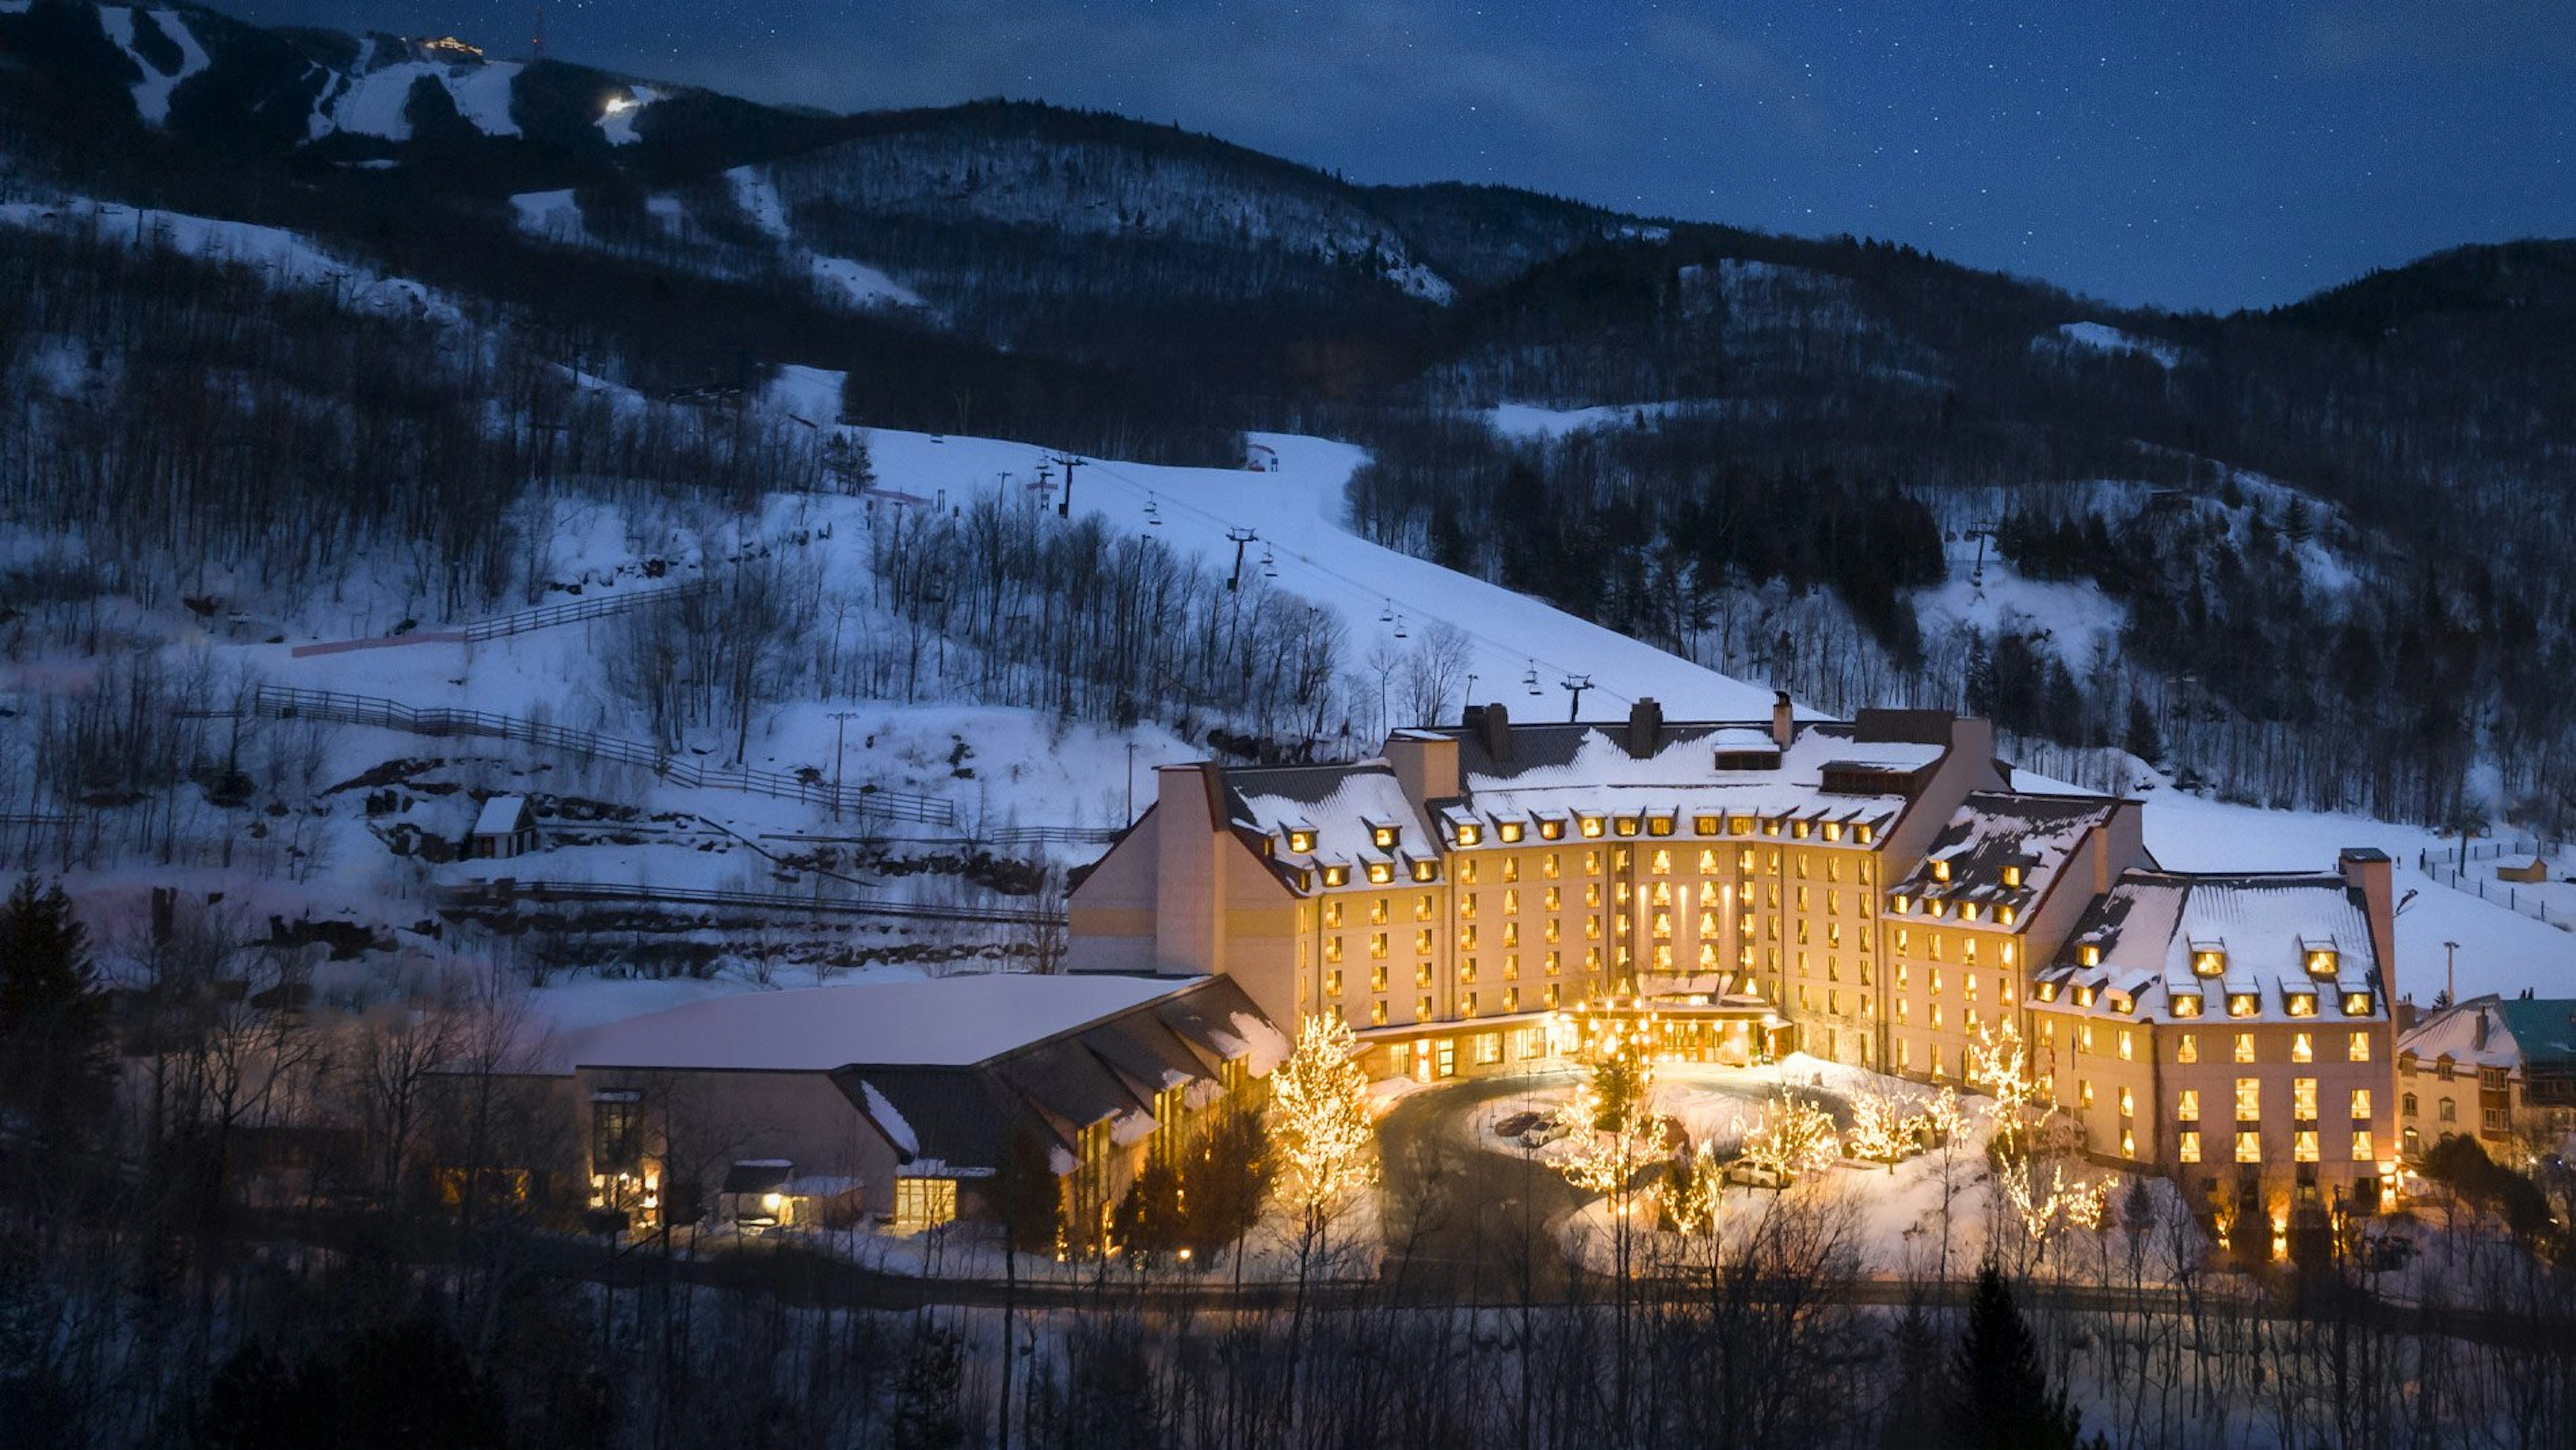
{"points": [[2187, 155]]}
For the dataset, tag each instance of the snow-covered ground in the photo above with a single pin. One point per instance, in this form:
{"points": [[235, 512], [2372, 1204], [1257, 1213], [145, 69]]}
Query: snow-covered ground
{"points": [[2102, 337]]}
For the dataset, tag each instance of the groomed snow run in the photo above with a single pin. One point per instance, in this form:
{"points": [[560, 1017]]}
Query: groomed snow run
{"points": [[152, 93]]}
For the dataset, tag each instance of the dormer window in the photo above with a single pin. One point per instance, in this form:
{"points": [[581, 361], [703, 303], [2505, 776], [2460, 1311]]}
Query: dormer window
{"points": [[1469, 833], [1592, 826], [1798, 829], [1382, 837], [2208, 962], [1627, 825], [2186, 1004], [2356, 1004], [1833, 830], [1864, 834], [1301, 842], [2089, 954], [2005, 914], [2046, 991], [1510, 832], [1659, 825], [2241, 1004], [2301, 1004], [1967, 911], [1940, 870], [1380, 872], [2321, 961], [1899, 903], [2012, 877], [1551, 830], [1426, 870], [1739, 825], [2084, 996], [1337, 875]]}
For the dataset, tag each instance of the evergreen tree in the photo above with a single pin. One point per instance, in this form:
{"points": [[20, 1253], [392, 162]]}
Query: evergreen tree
{"points": [[1151, 1218], [1228, 1176], [53, 1016], [2142, 739], [1999, 1395]]}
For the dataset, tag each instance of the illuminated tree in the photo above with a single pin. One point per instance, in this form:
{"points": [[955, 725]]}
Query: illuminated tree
{"points": [[1792, 1138], [2028, 1173], [1320, 1116], [1623, 1068], [1884, 1127], [1691, 1190]]}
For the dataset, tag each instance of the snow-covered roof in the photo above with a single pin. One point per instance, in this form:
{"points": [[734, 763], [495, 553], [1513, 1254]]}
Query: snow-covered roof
{"points": [[1339, 805], [952, 1021], [2232, 948], [1995, 835], [2492, 1032], [500, 815]]}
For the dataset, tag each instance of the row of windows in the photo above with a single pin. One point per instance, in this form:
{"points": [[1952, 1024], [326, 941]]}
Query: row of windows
{"points": [[2304, 1144]]}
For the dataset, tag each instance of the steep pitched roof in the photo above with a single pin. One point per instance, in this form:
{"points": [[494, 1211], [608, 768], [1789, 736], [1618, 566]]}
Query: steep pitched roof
{"points": [[2153, 928]]}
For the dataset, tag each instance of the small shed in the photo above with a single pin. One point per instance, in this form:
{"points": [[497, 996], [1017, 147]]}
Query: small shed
{"points": [[507, 828], [2536, 871]]}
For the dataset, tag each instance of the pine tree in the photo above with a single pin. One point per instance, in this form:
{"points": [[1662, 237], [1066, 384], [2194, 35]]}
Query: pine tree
{"points": [[1999, 1395], [1319, 1103], [2142, 739], [53, 1015]]}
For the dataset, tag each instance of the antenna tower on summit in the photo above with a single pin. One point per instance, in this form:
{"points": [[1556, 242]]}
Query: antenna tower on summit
{"points": [[537, 37]]}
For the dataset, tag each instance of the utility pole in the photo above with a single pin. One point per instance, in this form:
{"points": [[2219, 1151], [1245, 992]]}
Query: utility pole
{"points": [[2451, 972], [1064, 505], [1575, 685], [1240, 537], [840, 742], [1131, 782]]}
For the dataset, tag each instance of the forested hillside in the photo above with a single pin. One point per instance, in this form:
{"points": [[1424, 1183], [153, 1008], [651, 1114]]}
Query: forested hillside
{"points": [[2231, 545]]}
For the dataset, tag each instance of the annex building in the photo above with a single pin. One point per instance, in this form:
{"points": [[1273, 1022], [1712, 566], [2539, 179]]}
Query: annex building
{"points": [[1875, 891]]}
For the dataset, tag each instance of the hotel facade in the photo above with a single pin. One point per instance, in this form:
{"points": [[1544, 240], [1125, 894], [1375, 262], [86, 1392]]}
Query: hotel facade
{"points": [[1875, 892]]}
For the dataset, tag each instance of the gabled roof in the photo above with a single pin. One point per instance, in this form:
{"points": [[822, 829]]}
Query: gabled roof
{"points": [[1110, 1071], [501, 815]]}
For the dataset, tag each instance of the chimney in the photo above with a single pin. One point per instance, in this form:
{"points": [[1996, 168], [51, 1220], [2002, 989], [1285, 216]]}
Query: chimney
{"points": [[1426, 765], [2368, 871], [1497, 732], [1645, 728], [1783, 719], [2478, 1034]]}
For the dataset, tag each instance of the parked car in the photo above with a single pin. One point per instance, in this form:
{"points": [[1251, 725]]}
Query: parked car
{"points": [[1755, 1175], [2380, 1253], [1517, 1124]]}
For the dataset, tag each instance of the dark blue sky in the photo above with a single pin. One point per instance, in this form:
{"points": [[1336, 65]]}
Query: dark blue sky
{"points": [[2187, 155]]}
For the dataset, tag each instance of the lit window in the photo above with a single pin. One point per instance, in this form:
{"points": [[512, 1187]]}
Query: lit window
{"points": [[2187, 1106], [1511, 832], [2089, 955], [2128, 1053], [2359, 1051], [1592, 825], [2241, 1004], [2012, 876], [1469, 835], [2356, 1004], [2128, 1143], [2244, 1047], [2186, 1004], [2209, 963], [2249, 1147], [2187, 1047], [2361, 1145], [1301, 841], [2303, 1145], [1380, 872], [1384, 836], [2249, 1099], [2361, 1102], [2302, 1048], [2190, 1145], [2303, 1098]]}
